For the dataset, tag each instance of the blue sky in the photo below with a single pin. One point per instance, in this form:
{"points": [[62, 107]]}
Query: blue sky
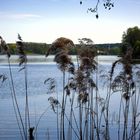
{"points": [[46, 20]]}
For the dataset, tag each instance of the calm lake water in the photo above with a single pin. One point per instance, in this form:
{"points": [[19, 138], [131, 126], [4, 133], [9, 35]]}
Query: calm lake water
{"points": [[38, 70]]}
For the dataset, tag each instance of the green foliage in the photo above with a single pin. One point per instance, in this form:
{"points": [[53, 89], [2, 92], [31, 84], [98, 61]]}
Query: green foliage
{"points": [[73, 51], [30, 48], [131, 38], [36, 48], [124, 48], [114, 51], [109, 49], [12, 47], [41, 48], [137, 49]]}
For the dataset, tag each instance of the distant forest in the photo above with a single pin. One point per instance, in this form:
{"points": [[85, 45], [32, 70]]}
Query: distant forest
{"points": [[41, 48]]}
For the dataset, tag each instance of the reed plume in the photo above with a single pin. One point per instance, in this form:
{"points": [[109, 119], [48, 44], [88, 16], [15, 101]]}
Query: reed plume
{"points": [[60, 44], [126, 61], [21, 51], [87, 62], [4, 47], [64, 62], [61, 47]]}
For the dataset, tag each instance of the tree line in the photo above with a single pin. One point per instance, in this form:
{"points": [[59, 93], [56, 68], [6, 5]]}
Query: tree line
{"points": [[130, 40], [41, 48]]}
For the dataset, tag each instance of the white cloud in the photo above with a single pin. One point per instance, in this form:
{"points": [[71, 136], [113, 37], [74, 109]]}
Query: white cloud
{"points": [[18, 16], [22, 16]]}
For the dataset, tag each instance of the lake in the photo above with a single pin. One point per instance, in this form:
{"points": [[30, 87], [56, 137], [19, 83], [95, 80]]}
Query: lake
{"points": [[38, 70]]}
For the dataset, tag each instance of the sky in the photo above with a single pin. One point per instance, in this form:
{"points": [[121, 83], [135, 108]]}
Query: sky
{"points": [[46, 20]]}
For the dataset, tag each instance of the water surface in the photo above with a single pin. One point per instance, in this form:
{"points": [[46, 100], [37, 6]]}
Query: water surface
{"points": [[38, 98]]}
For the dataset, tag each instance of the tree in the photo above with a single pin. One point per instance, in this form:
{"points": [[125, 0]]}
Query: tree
{"points": [[137, 49], [131, 39]]}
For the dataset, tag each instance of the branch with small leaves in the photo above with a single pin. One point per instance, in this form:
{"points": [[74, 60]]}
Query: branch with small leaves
{"points": [[108, 4]]}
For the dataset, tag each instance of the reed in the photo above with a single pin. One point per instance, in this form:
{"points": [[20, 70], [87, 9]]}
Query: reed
{"points": [[19, 118], [89, 115]]}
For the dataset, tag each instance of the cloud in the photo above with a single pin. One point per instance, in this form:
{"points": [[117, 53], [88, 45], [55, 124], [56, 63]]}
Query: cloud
{"points": [[19, 16], [23, 16]]}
